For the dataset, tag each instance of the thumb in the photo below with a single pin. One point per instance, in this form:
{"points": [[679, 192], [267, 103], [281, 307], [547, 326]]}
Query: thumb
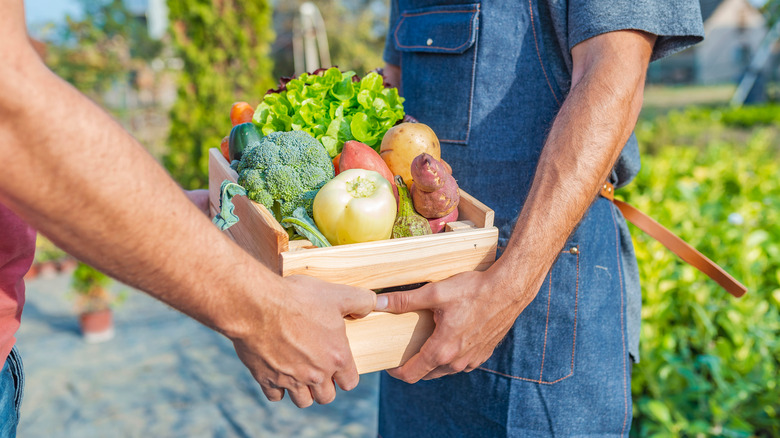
{"points": [[357, 302], [406, 301]]}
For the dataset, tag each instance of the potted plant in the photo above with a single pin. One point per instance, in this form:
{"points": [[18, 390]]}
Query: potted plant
{"points": [[94, 302]]}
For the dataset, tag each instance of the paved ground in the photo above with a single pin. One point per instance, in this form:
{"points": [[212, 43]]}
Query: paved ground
{"points": [[163, 375]]}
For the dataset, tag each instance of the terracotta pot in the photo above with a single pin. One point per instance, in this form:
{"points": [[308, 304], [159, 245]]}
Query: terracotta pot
{"points": [[47, 269], [32, 273], [97, 326], [67, 265]]}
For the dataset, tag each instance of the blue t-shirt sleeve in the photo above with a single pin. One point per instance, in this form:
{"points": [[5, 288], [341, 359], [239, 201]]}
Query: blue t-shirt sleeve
{"points": [[391, 55], [677, 23]]}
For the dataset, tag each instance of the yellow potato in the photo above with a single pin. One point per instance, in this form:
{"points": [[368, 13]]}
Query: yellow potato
{"points": [[403, 142]]}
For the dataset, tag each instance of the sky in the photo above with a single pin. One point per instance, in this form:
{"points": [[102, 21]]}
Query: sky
{"points": [[40, 12], [43, 11]]}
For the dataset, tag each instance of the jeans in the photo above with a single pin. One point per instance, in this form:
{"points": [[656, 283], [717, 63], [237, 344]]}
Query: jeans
{"points": [[11, 390]]}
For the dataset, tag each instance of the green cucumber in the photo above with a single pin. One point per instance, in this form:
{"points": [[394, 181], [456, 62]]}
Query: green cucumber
{"points": [[242, 137]]}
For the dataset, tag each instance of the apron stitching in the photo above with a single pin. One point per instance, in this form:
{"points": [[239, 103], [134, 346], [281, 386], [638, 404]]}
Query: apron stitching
{"points": [[546, 325], [526, 378], [405, 15], [473, 76], [539, 54], [576, 302], [574, 340], [622, 327], [473, 63]]}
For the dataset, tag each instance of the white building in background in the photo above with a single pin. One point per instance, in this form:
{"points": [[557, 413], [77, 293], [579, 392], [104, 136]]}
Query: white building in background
{"points": [[732, 33], [733, 30]]}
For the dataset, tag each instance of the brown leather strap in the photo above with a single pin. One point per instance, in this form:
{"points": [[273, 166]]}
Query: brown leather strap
{"points": [[678, 246]]}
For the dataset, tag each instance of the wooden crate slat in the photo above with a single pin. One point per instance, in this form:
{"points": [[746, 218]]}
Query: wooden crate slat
{"points": [[469, 208], [397, 261], [264, 246], [384, 340]]}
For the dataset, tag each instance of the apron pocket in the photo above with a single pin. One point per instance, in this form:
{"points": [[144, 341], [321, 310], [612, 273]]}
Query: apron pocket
{"points": [[540, 346], [439, 54]]}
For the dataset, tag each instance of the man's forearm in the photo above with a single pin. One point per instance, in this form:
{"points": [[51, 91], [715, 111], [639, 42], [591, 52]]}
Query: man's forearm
{"points": [[79, 178], [586, 138]]}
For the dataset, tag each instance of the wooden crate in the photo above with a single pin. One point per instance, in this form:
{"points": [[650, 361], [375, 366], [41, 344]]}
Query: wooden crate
{"points": [[380, 340]]}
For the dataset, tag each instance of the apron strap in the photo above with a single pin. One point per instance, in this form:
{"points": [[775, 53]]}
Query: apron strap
{"points": [[678, 246]]}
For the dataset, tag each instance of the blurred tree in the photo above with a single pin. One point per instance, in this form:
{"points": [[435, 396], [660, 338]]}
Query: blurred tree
{"points": [[356, 33], [771, 10], [102, 49], [224, 46]]}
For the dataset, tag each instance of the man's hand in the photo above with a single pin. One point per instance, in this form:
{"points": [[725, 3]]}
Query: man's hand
{"points": [[473, 311], [298, 343]]}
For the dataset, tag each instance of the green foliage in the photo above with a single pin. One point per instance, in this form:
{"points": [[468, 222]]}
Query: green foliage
{"points": [[90, 287], [771, 10], [225, 48], [102, 49], [710, 362], [46, 251], [85, 279]]}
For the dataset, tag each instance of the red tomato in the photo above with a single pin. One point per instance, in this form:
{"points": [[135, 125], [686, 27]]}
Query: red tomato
{"points": [[241, 112], [223, 147]]}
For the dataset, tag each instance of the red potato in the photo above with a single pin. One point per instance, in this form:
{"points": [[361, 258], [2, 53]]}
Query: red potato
{"points": [[357, 155], [434, 192], [224, 148], [437, 224], [336, 160]]}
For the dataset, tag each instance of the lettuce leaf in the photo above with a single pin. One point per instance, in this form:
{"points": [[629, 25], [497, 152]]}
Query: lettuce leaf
{"points": [[333, 107]]}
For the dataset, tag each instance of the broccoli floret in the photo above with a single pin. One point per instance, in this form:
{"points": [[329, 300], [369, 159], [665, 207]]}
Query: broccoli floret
{"points": [[285, 171]]}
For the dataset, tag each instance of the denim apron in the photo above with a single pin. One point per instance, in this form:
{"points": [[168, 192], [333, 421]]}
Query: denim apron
{"points": [[474, 72]]}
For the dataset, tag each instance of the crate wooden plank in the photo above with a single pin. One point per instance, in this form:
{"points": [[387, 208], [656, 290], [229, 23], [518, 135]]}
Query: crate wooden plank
{"points": [[257, 231], [397, 262], [469, 208], [459, 226], [385, 340]]}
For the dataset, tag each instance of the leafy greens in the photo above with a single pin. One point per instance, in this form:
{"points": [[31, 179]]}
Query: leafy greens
{"points": [[334, 107]]}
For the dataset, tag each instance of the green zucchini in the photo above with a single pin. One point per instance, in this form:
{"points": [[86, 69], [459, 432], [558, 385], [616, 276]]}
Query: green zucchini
{"points": [[242, 137]]}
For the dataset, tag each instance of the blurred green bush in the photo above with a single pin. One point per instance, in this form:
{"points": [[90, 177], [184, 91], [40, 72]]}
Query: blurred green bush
{"points": [[709, 362]]}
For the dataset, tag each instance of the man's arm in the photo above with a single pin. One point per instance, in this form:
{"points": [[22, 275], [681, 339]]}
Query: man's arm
{"points": [[78, 177], [473, 311]]}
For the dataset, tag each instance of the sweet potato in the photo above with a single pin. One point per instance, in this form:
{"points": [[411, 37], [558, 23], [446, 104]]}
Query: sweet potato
{"points": [[437, 224], [434, 191], [357, 155], [428, 173]]}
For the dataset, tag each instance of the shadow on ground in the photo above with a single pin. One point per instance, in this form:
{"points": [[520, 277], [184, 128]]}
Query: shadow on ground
{"points": [[163, 375]]}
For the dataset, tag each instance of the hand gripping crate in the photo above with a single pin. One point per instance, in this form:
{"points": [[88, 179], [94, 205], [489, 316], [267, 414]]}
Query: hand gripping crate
{"points": [[380, 340]]}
